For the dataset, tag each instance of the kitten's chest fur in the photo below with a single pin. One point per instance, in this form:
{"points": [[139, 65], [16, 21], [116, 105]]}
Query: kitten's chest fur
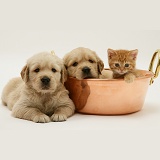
{"points": [[134, 72], [118, 76]]}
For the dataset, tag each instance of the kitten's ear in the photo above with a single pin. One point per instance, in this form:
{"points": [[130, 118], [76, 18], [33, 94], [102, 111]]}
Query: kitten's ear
{"points": [[111, 53], [134, 53]]}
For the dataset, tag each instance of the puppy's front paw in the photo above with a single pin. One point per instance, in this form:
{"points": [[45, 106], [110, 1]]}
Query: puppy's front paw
{"points": [[129, 79], [58, 117], [41, 118]]}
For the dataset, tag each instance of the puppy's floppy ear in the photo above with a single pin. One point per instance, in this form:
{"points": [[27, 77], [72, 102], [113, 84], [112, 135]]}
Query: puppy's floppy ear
{"points": [[63, 74], [100, 65], [25, 73]]}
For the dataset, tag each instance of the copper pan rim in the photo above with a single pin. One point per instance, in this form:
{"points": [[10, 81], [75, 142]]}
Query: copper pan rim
{"points": [[148, 74]]}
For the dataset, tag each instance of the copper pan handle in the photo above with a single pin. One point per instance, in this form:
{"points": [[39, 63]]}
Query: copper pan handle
{"points": [[157, 53]]}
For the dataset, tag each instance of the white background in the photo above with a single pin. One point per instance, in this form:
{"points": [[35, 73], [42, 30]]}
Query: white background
{"points": [[29, 27]]}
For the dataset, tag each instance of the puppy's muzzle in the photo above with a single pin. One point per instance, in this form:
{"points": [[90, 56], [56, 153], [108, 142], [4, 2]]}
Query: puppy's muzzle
{"points": [[45, 80], [86, 70]]}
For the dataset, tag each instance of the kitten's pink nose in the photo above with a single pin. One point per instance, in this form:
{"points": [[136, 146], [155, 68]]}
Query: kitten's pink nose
{"points": [[121, 70]]}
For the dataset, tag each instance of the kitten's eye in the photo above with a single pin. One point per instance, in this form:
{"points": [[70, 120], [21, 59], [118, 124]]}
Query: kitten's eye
{"points": [[126, 65], [117, 64], [54, 70], [37, 70], [75, 64], [91, 61]]}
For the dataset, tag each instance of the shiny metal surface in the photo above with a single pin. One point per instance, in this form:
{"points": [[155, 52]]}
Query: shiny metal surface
{"points": [[109, 97], [156, 54]]}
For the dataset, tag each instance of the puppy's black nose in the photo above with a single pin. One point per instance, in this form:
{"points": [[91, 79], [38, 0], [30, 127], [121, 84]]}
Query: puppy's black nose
{"points": [[45, 80], [86, 70]]}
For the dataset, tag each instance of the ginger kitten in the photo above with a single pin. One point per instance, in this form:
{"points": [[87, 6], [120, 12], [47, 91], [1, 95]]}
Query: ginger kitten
{"points": [[123, 63]]}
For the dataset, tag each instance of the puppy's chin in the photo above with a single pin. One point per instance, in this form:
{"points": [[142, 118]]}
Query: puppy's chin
{"points": [[47, 87], [80, 75], [45, 90]]}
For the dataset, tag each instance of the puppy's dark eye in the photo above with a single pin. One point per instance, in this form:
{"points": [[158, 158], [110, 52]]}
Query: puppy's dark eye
{"points": [[117, 64], [37, 70], [54, 70], [126, 65], [91, 61], [75, 64]]}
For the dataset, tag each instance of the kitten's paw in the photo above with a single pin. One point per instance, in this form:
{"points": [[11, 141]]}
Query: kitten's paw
{"points": [[58, 117], [129, 79], [41, 118]]}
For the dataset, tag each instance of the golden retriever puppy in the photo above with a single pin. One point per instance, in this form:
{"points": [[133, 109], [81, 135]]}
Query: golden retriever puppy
{"points": [[83, 63], [40, 95]]}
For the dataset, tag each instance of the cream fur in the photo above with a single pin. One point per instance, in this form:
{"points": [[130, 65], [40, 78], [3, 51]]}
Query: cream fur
{"points": [[85, 58], [30, 99], [106, 74]]}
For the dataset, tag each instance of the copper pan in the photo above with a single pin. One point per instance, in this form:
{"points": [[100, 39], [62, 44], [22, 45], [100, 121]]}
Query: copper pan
{"points": [[111, 97]]}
